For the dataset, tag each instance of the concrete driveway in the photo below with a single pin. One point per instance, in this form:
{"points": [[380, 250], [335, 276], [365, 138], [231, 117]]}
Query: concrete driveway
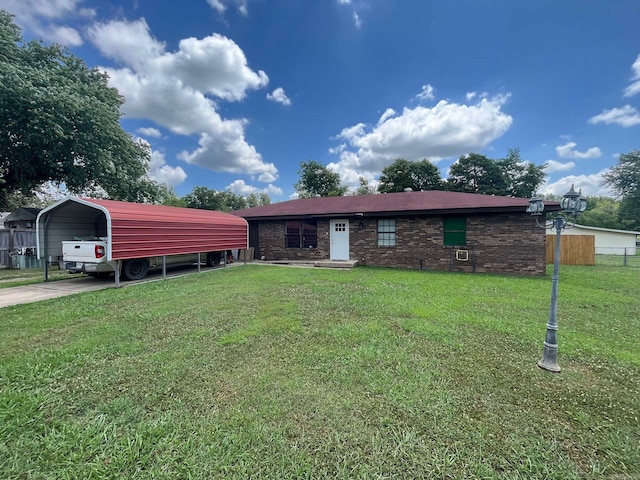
{"points": [[45, 290], [82, 283]]}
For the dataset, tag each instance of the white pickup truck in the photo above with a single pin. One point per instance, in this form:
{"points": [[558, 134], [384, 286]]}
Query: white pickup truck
{"points": [[90, 257]]}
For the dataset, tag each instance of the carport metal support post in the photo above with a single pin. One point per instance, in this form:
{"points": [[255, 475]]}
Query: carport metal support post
{"points": [[549, 359], [118, 270], [45, 239]]}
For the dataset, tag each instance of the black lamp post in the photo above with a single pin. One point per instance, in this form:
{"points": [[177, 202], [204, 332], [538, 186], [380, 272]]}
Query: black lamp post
{"points": [[573, 204]]}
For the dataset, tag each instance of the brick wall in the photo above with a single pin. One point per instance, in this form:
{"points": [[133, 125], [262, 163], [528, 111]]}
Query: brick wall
{"points": [[510, 244], [271, 243]]}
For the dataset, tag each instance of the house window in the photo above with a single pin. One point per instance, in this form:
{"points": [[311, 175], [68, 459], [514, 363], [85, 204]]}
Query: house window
{"points": [[301, 234], [455, 231], [386, 233]]}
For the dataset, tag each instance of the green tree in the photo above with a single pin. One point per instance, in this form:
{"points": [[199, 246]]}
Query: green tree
{"points": [[207, 199], [61, 124], [17, 199], [203, 198], [403, 174], [522, 178], [365, 188], [316, 180], [170, 198], [624, 180], [230, 201], [475, 173], [257, 200], [601, 212]]}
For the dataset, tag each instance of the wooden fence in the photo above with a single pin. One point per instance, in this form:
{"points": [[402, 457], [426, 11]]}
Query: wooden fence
{"points": [[11, 239], [574, 249]]}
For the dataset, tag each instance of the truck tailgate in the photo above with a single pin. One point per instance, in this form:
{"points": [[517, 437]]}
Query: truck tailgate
{"points": [[84, 251]]}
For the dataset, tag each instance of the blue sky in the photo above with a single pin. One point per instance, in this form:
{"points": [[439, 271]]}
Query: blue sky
{"points": [[236, 93]]}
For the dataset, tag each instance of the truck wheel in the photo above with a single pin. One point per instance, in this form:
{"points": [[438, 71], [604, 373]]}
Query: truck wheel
{"points": [[213, 259], [135, 269]]}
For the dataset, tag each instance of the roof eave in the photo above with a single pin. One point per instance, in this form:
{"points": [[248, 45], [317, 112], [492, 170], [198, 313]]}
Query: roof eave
{"points": [[396, 213]]}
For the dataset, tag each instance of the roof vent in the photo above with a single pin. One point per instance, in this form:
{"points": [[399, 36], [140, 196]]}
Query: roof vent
{"points": [[408, 189]]}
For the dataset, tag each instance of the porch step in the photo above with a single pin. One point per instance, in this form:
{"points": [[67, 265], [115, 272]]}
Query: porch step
{"points": [[336, 263], [313, 264]]}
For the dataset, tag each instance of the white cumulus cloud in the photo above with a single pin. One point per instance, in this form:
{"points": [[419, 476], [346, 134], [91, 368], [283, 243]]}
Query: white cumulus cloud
{"points": [[149, 132], [222, 5], [239, 187], [173, 90], [48, 19], [388, 113], [634, 88], [163, 173], [591, 185], [567, 151], [443, 131], [626, 116], [357, 21], [279, 96], [555, 166], [426, 93]]}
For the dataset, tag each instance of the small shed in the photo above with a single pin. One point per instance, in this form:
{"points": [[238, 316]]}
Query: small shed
{"points": [[18, 238], [135, 230], [608, 241], [3, 215], [23, 218]]}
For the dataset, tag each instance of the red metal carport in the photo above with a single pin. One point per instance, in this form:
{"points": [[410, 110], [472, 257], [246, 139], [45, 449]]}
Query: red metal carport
{"points": [[136, 230]]}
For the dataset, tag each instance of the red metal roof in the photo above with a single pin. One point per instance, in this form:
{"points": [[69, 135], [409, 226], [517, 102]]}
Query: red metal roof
{"points": [[140, 230], [428, 203]]}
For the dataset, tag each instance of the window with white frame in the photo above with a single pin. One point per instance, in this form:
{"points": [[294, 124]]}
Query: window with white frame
{"points": [[387, 233]]}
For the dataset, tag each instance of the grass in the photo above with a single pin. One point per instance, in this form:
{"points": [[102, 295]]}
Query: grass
{"points": [[16, 278], [274, 372], [619, 260]]}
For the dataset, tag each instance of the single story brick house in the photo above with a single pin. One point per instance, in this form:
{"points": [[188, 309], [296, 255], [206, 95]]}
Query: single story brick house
{"points": [[429, 230]]}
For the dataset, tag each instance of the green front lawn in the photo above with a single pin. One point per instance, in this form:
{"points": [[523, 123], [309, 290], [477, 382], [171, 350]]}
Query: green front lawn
{"points": [[274, 372], [15, 277]]}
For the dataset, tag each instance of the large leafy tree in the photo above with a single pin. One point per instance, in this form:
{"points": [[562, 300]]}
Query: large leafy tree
{"points": [[364, 188], [169, 197], [475, 173], [522, 178], [403, 174], [601, 212], [224, 201], [624, 180], [257, 200], [60, 123], [316, 180]]}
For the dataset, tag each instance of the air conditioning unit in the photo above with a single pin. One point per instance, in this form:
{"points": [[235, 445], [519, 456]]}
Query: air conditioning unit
{"points": [[462, 255]]}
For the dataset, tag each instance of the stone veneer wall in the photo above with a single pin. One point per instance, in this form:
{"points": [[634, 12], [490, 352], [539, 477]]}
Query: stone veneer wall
{"points": [[505, 244]]}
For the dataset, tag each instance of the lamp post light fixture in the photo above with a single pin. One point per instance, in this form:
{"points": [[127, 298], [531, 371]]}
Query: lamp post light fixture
{"points": [[572, 204]]}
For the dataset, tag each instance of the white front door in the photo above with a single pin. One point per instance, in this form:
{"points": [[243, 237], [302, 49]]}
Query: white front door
{"points": [[339, 239]]}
